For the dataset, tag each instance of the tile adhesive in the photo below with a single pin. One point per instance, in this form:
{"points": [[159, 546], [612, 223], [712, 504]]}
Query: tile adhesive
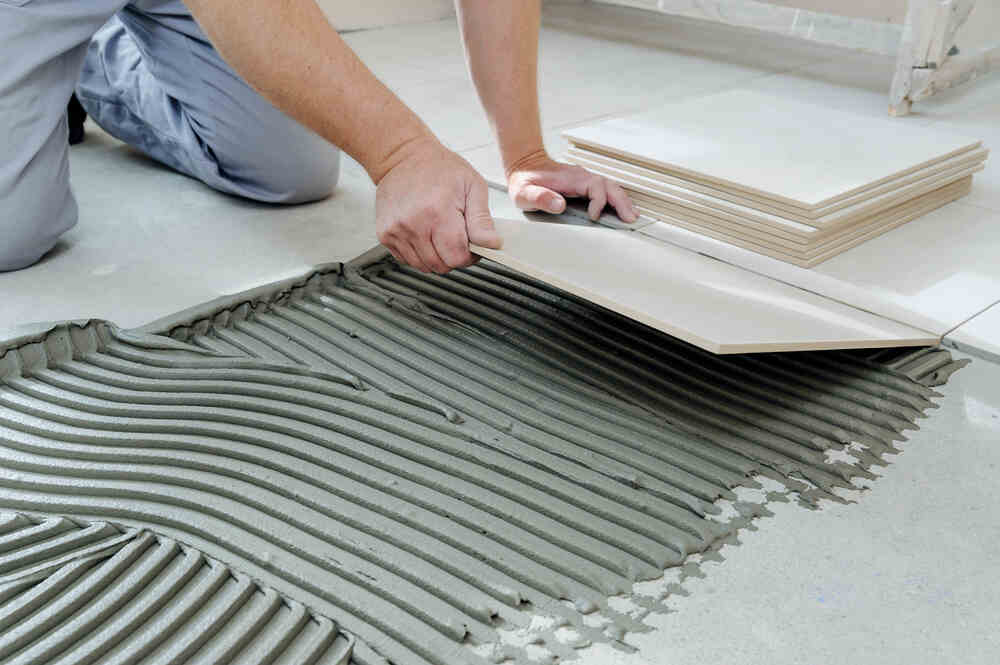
{"points": [[393, 467]]}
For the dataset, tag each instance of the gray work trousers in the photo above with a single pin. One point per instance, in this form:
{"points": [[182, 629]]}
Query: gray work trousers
{"points": [[146, 73]]}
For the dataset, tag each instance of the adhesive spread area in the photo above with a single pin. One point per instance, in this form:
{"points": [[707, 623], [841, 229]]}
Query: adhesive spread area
{"points": [[430, 461], [72, 593]]}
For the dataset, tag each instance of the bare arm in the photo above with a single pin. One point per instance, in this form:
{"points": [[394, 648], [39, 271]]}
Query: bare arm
{"points": [[501, 45], [429, 201]]}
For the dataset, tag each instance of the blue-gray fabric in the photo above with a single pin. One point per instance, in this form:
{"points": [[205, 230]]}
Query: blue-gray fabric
{"points": [[147, 74]]}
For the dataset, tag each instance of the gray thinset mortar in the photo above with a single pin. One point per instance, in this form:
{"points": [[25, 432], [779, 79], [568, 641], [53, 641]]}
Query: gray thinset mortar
{"points": [[84, 593], [433, 461]]}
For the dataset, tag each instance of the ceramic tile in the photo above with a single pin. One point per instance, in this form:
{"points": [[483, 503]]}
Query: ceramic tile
{"points": [[718, 202], [707, 303], [933, 273], [151, 241], [589, 86], [345, 15], [424, 51], [859, 83], [943, 264], [804, 155], [451, 109], [984, 121], [425, 65], [769, 237], [812, 253], [980, 335]]}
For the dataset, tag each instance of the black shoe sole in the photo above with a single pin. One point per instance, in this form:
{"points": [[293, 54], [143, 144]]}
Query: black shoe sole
{"points": [[75, 117]]}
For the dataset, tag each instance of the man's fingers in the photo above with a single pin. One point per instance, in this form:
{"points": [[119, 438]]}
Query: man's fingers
{"points": [[598, 198], [452, 243], [411, 257], [396, 255], [536, 197], [478, 220], [429, 255], [622, 202]]}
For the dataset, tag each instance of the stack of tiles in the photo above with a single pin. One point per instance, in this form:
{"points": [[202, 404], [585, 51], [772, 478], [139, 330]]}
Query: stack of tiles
{"points": [[796, 182]]}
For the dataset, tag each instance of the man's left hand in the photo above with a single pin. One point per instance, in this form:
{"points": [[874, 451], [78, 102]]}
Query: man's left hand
{"points": [[538, 182]]}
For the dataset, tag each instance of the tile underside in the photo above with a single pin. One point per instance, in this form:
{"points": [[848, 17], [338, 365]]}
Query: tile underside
{"points": [[431, 460]]}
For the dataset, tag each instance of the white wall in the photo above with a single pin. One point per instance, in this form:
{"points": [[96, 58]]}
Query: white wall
{"points": [[893, 11]]}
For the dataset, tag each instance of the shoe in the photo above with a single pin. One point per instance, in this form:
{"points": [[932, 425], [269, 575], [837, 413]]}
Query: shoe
{"points": [[76, 116]]}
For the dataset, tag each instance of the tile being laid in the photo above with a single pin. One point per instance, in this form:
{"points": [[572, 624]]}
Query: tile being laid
{"points": [[710, 304], [799, 154]]}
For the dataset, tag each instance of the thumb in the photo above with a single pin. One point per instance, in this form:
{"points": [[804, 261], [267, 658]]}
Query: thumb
{"points": [[536, 197], [478, 220]]}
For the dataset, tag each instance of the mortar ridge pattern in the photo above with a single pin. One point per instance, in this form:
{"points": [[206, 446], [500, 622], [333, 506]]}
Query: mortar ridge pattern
{"points": [[432, 460], [74, 592]]}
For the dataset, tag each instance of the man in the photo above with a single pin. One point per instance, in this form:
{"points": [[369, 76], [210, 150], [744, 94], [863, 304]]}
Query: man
{"points": [[175, 86]]}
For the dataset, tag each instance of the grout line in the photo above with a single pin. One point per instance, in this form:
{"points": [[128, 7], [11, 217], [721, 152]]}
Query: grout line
{"points": [[959, 325]]}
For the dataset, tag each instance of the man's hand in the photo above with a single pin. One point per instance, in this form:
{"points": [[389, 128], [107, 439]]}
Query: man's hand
{"points": [[538, 182], [430, 206]]}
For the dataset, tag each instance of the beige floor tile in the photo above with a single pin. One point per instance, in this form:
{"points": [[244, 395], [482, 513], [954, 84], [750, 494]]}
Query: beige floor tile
{"points": [[776, 229], [801, 154], [713, 305], [813, 256], [817, 249], [719, 202], [933, 273]]}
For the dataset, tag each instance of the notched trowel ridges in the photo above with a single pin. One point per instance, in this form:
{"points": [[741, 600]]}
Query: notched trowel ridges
{"points": [[428, 460], [94, 593]]}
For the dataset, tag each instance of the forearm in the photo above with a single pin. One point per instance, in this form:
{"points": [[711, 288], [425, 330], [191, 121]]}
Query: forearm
{"points": [[288, 51], [501, 45]]}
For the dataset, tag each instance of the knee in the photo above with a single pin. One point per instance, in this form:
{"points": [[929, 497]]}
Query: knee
{"points": [[311, 175], [22, 245], [31, 225], [289, 167]]}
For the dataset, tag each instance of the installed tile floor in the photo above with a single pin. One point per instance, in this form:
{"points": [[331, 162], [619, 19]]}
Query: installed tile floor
{"points": [[904, 576]]}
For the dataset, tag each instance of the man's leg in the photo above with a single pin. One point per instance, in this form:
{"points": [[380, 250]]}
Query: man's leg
{"points": [[42, 45], [152, 79]]}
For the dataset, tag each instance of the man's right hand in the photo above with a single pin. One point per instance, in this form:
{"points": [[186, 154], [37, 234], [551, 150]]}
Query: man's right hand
{"points": [[430, 206]]}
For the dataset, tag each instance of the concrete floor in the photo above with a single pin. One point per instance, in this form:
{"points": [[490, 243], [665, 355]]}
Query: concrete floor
{"points": [[906, 575]]}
